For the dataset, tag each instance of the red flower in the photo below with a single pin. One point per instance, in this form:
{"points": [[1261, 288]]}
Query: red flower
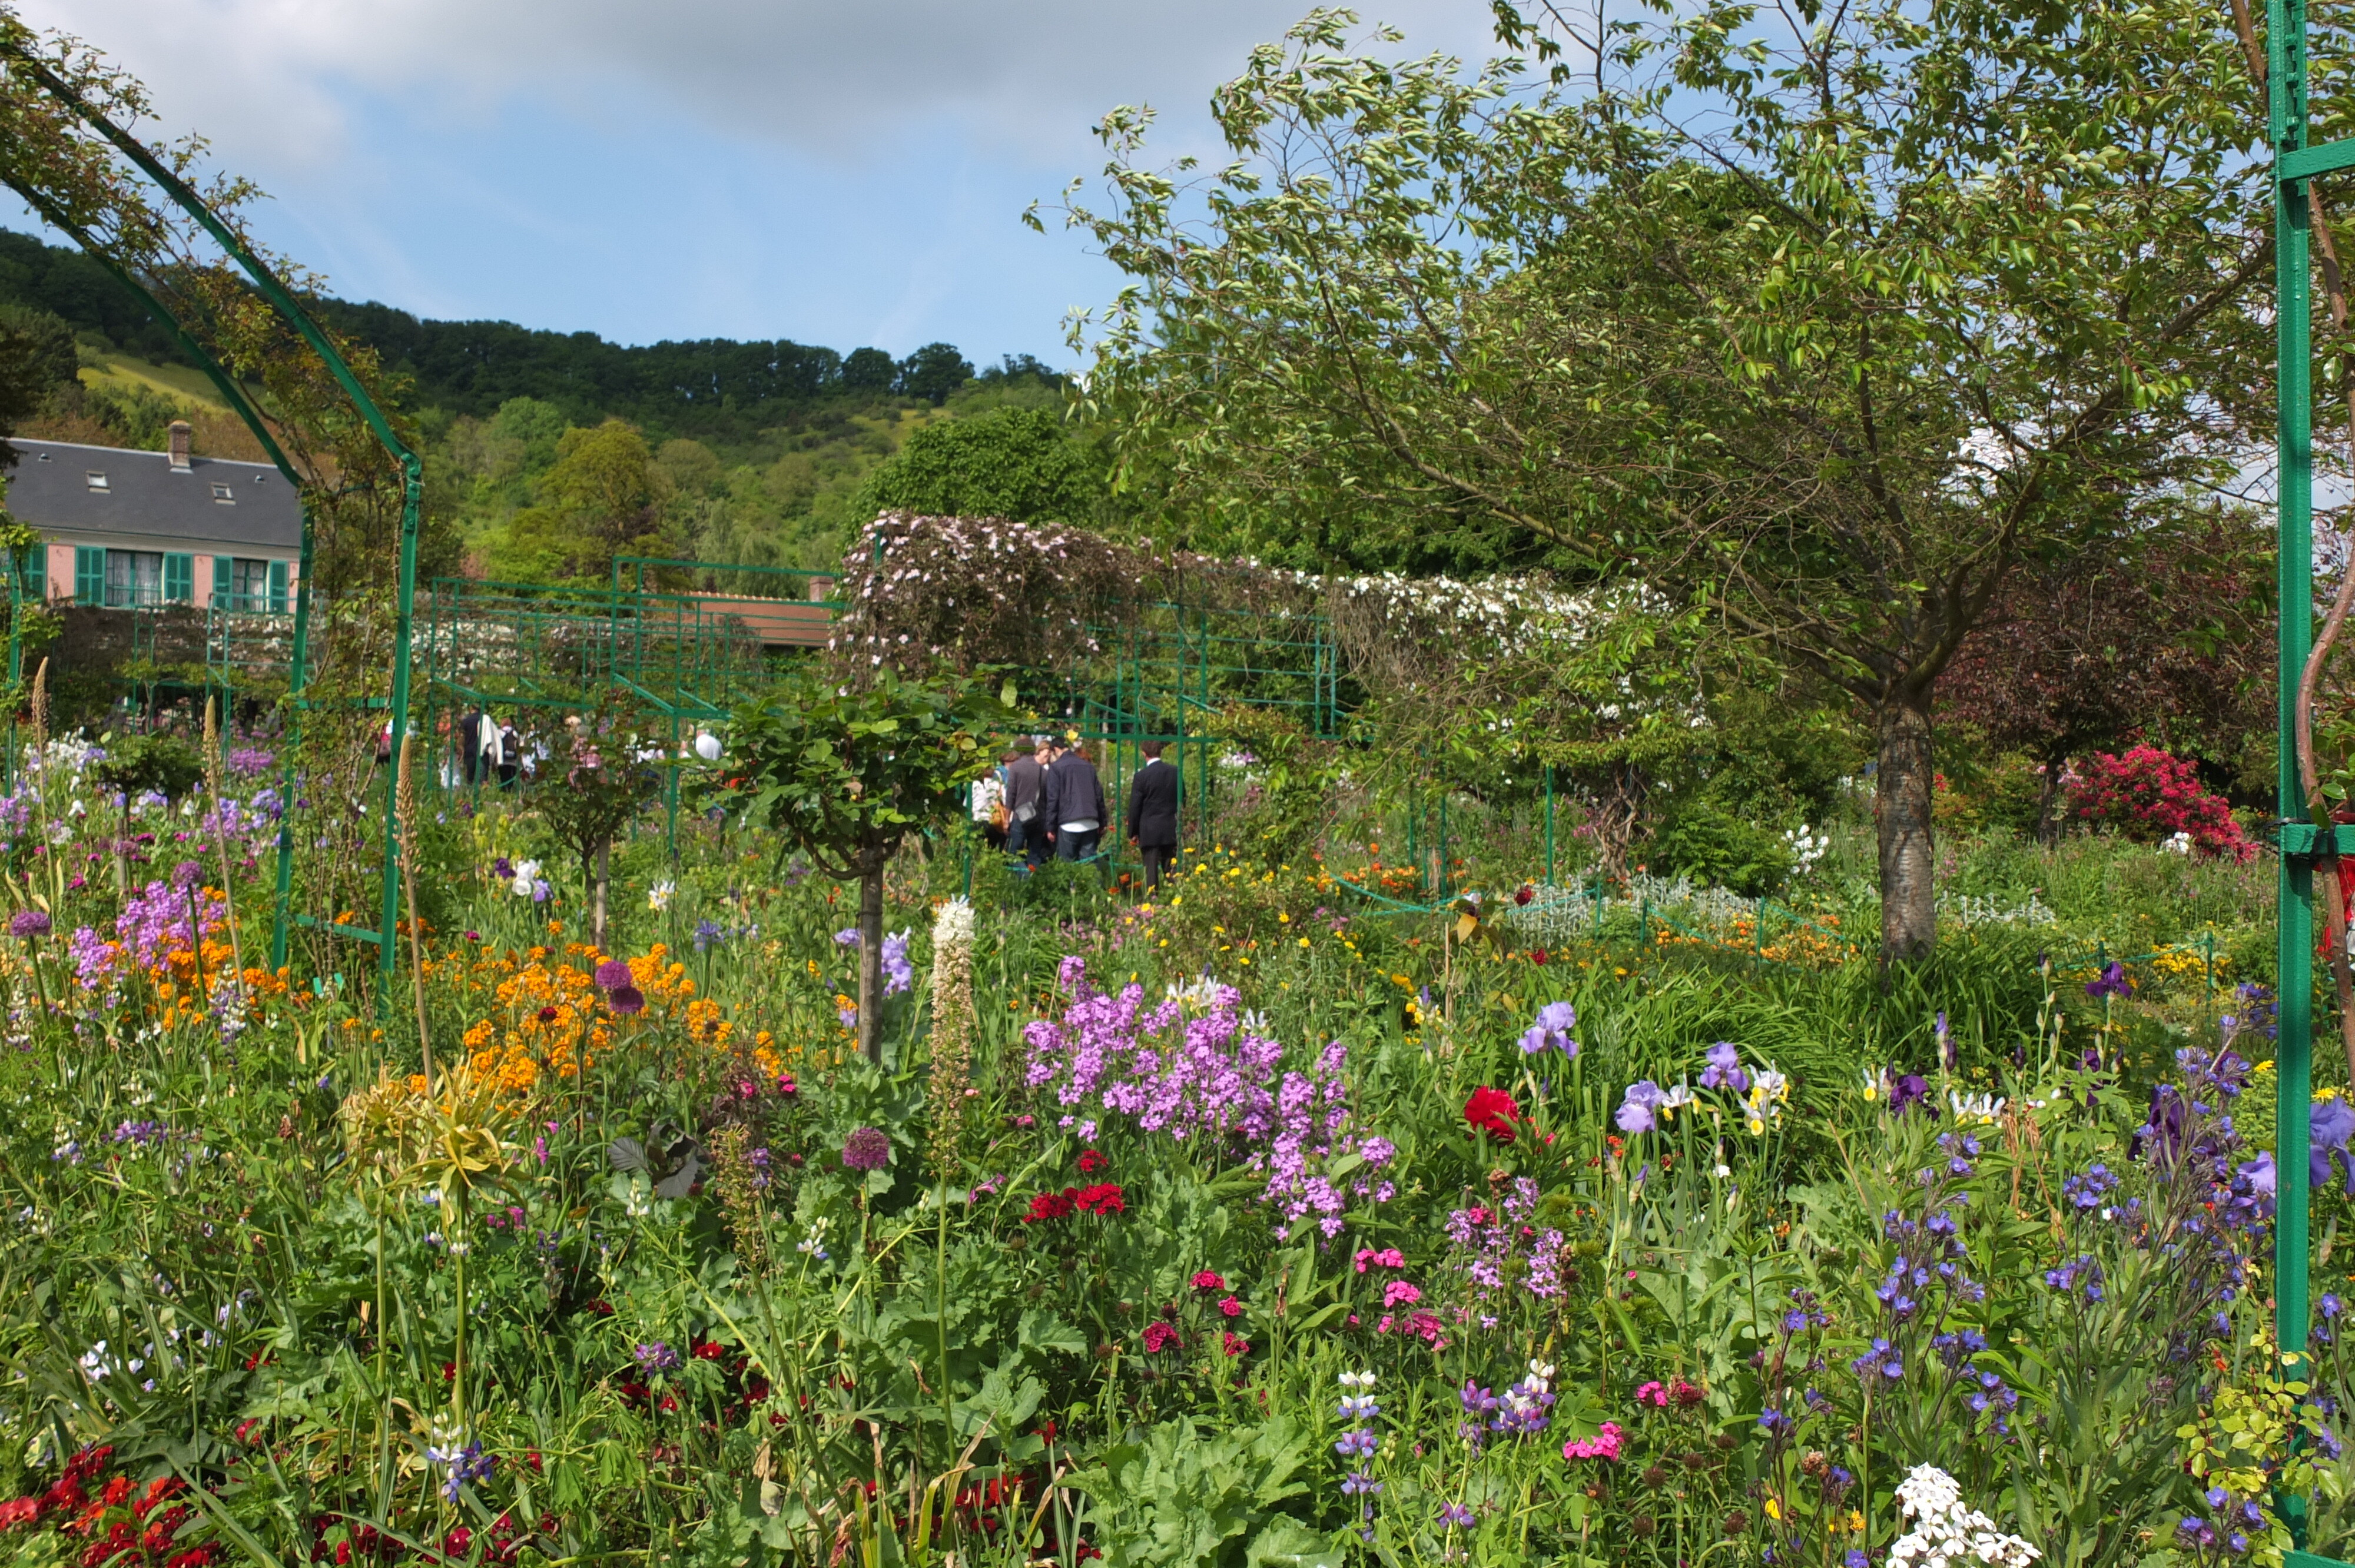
{"points": [[1235, 1344], [1047, 1206], [1092, 1161], [1104, 1198], [23, 1510], [1210, 1280], [1537, 957], [1231, 1308], [1524, 893], [710, 1351], [1492, 1111], [1159, 1336]]}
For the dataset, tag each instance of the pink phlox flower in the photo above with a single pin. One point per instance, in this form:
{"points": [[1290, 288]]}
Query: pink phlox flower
{"points": [[1604, 1445]]}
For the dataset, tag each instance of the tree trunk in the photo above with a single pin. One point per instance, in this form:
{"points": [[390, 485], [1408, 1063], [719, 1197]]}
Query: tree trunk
{"points": [[604, 881], [870, 956], [2048, 821], [1901, 809]]}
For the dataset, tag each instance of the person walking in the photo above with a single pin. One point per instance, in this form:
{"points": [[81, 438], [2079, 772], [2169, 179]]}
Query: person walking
{"points": [[1075, 804], [1026, 783], [1152, 814]]}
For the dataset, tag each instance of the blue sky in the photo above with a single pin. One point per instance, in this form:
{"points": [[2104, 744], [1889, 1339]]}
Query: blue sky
{"points": [[837, 174]]}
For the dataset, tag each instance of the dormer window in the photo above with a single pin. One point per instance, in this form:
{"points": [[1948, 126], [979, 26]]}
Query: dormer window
{"points": [[45, 456], [97, 478], [221, 496]]}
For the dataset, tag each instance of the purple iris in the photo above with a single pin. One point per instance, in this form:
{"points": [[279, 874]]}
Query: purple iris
{"points": [[1551, 1031], [1724, 1070], [2113, 982], [2329, 1127], [1909, 1090], [1637, 1110]]}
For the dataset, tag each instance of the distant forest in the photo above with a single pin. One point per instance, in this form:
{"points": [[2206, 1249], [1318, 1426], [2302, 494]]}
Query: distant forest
{"points": [[549, 452]]}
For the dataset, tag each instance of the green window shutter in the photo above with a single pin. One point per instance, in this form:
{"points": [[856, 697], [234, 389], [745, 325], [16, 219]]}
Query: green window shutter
{"points": [[222, 587], [179, 579], [33, 579], [90, 575], [277, 587]]}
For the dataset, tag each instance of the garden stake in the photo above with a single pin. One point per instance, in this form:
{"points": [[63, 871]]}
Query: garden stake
{"points": [[220, 835], [405, 811]]}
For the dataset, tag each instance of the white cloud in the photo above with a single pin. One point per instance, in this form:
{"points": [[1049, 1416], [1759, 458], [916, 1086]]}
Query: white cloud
{"points": [[265, 78]]}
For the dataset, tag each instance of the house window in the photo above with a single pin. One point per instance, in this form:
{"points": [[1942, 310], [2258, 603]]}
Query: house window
{"points": [[221, 496], [241, 584], [134, 577], [33, 574], [97, 479]]}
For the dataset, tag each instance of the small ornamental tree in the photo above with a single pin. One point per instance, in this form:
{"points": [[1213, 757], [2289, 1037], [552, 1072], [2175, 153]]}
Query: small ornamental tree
{"points": [[2151, 796], [843, 773], [601, 776]]}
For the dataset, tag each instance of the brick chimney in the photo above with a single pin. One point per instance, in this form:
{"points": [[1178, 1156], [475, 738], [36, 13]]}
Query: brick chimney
{"points": [[179, 446]]}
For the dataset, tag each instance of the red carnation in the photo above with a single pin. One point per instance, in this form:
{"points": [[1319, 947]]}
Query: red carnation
{"points": [[1092, 1161], [1210, 1280], [1492, 1111]]}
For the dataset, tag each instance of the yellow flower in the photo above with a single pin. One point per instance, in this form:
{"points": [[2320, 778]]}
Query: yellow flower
{"points": [[1774, 1509]]}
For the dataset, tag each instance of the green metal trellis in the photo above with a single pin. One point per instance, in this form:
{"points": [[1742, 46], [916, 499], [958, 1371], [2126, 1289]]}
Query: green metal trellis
{"points": [[280, 299], [2295, 163]]}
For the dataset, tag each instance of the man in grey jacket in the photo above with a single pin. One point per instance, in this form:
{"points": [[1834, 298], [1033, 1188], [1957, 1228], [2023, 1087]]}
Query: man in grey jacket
{"points": [[1026, 823]]}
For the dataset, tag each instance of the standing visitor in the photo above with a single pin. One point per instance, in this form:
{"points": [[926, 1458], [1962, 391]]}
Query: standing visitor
{"points": [[1026, 784], [1075, 804], [470, 746], [989, 805], [1152, 814]]}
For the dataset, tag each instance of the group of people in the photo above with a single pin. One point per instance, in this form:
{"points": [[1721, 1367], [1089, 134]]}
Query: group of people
{"points": [[488, 749], [1049, 801]]}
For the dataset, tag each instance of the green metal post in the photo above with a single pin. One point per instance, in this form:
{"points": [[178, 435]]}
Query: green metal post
{"points": [[297, 672], [412, 500], [16, 668], [1549, 786], [2294, 1065]]}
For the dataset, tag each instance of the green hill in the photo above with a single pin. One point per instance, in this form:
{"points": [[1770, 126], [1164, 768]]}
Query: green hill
{"points": [[741, 452]]}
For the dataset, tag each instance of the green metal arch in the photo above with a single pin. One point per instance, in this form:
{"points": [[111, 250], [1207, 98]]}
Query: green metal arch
{"points": [[282, 300]]}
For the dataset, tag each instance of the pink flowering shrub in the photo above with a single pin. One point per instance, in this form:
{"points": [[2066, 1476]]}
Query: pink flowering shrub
{"points": [[2149, 795]]}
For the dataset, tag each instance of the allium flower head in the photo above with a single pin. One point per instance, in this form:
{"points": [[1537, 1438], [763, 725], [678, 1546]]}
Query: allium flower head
{"points": [[29, 923], [613, 973], [867, 1150]]}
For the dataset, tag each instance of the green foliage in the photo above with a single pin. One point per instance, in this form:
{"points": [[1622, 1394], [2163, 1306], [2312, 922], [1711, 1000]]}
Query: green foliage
{"points": [[1702, 839], [37, 357], [1015, 463], [141, 764], [1182, 1495], [843, 773]]}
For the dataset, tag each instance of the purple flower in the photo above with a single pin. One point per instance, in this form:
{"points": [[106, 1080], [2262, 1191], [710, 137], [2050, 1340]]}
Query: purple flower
{"points": [[614, 974], [2329, 1125], [1948, 1056], [1724, 1070], [1551, 1031], [1909, 1090], [707, 936], [2113, 982], [26, 924], [846, 938], [656, 1356], [1637, 1111], [187, 876], [626, 999], [898, 975], [1455, 1516], [868, 1148]]}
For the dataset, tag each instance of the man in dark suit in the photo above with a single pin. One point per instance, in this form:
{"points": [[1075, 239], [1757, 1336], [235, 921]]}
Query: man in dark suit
{"points": [[1152, 814], [1074, 808]]}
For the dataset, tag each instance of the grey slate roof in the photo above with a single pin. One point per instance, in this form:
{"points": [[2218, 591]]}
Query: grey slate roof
{"points": [[51, 490]]}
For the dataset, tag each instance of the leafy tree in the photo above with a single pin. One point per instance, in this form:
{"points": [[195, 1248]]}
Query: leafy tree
{"points": [[1015, 463], [844, 772], [868, 370], [1829, 326], [2172, 643], [593, 788], [37, 357], [932, 372]]}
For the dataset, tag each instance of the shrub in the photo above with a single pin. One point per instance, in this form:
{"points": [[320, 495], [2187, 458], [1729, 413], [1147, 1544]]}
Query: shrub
{"points": [[2151, 796]]}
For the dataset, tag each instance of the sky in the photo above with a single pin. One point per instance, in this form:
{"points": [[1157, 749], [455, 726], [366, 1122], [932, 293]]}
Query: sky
{"points": [[839, 174]]}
